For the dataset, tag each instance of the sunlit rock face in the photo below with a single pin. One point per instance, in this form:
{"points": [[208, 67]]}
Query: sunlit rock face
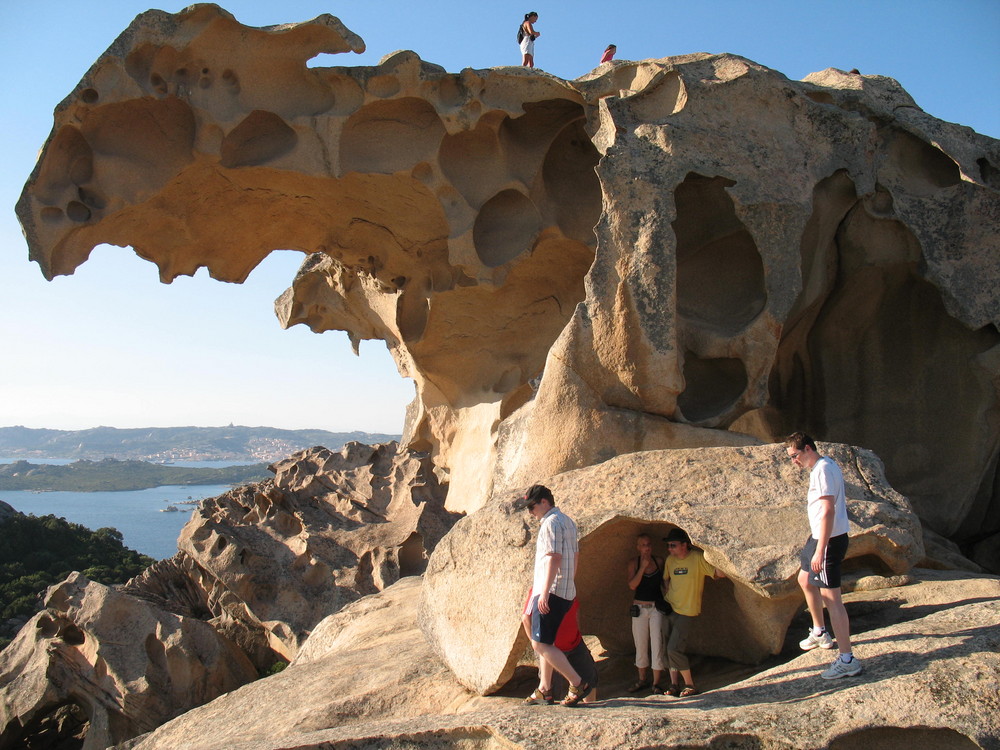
{"points": [[99, 663], [686, 252], [742, 506]]}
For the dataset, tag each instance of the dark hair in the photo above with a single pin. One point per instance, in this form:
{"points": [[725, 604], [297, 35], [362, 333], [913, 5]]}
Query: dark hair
{"points": [[529, 15], [677, 535], [536, 493], [799, 440]]}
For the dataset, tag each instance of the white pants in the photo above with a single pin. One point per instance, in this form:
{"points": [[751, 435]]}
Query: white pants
{"points": [[647, 630]]}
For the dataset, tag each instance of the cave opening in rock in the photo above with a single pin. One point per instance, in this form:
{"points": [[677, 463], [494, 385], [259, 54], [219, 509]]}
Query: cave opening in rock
{"points": [[412, 558]]}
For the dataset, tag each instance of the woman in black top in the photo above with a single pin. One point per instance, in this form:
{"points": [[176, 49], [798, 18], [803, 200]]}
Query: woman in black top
{"points": [[645, 576]]}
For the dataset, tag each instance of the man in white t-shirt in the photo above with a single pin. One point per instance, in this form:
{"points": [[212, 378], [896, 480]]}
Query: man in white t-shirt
{"points": [[824, 553]]}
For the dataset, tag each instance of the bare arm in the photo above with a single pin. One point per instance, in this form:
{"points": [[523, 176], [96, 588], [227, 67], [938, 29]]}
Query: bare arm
{"points": [[551, 570]]}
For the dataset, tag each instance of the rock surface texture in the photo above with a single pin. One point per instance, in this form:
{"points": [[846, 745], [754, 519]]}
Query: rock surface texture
{"points": [[624, 283], [96, 656], [258, 567], [743, 506], [917, 639]]}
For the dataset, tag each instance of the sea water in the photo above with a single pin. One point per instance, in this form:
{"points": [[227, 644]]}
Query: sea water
{"points": [[140, 515]]}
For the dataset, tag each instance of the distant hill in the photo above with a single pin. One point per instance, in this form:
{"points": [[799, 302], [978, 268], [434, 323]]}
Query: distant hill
{"points": [[110, 475], [233, 443]]}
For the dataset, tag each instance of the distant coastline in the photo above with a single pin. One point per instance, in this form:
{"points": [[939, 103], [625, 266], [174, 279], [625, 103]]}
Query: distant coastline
{"points": [[239, 444], [111, 475]]}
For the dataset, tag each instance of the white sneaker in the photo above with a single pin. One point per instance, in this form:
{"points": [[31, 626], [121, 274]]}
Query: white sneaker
{"points": [[840, 669], [823, 640]]}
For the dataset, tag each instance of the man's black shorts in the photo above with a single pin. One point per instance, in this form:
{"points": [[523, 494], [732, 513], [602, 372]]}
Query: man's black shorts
{"points": [[544, 627], [829, 576]]}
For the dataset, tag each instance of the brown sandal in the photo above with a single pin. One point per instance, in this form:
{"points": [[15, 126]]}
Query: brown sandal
{"points": [[688, 691], [673, 691], [539, 697], [576, 694]]}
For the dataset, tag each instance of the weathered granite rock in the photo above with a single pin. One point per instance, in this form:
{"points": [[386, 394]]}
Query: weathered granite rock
{"points": [[932, 675], [368, 660], [743, 506], [665, 253], [266, 562], [99, 657], [258, 567]]}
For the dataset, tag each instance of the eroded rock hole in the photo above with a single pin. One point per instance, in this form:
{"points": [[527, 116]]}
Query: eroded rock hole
{"points": [[390, 136], [89, 96], [571, 183], [920, 166], [712, 386], [720, 275], [261, 137], [505, 227], [989, 174], [71, 634], [77, 212], [412, 560]]}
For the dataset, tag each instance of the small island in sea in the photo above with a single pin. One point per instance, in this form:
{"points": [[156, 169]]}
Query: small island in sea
{"points": [[111, 475]]}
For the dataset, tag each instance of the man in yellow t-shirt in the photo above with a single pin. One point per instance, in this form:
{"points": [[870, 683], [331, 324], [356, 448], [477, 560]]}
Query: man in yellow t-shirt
{"points": [[684, 576]]}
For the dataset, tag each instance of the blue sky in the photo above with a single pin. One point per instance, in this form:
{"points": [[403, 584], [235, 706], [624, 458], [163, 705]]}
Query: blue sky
{"points": [[110, 345]]}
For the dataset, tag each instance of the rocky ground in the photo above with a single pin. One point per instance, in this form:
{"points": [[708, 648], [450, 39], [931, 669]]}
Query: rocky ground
{"points": [[366, 678]]}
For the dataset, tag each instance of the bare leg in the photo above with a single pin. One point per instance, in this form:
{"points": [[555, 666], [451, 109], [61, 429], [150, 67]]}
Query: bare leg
{"points": [[657, 674], [557, 660], [838, 618], [688, 678], [814, 600], [642, 673], [544, 675]]}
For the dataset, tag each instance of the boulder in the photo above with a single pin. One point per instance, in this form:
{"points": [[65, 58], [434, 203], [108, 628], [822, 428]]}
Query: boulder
{"points": [[744, 506], [932, 676], [106, 665]]}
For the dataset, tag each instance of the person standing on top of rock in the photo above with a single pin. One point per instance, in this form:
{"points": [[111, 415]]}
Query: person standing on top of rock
{"points": [[644, 576], [609, 53], [553, 590], [526, 36], [819, 578], [684, 580]]}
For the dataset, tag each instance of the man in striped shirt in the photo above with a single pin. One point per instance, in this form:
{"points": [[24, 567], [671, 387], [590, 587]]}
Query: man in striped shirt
{"points": [[553, 591]]}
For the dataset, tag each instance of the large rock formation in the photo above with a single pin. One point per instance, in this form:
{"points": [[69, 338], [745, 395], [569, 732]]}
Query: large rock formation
{"points": [[685, 253], [743, 506], [768, 254]]}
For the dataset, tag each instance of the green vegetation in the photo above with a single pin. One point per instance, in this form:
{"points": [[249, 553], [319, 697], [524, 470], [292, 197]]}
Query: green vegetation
{"points": [[39, 551], [110, 475]]}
